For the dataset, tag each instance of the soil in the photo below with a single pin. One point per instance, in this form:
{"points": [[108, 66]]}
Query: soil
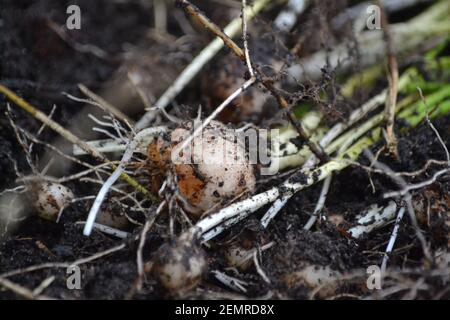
{"points": [[38, 65]]}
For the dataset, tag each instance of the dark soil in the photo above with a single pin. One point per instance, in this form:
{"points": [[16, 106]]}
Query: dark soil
{"points": [[38, 65]]}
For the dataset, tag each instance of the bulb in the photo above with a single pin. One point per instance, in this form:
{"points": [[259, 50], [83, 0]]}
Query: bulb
{"points": [[179, 265], [314, 277], [211, 171], [51, 198]]}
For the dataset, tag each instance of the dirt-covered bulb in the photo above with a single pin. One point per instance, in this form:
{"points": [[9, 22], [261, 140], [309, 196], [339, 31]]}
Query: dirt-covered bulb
{"points": [[210, 171], [179, 265]]}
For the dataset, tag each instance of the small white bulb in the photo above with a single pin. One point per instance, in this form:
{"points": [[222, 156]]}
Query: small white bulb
{"points": [[51, 198]]}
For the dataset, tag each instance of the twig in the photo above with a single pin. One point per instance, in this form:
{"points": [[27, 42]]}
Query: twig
{"points": [[22, 291], [259, 269], [78, 262], [139, 260], [231, 282], [320, 203], [105, 105], [391, 101], [108, 230], [194, 12], [245, 39], [43, 285], [430, 124], [392, 239], [410, 187]]}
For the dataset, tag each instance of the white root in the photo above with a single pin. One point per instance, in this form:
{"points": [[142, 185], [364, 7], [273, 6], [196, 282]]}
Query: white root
{"points": [[103, 145], [259, 269], [239, 257], [374, 218], [407, 188], [274, 209], [231, 282], [239, 210], [320, 204], [109, 230], [392, 239], [131, 147]]}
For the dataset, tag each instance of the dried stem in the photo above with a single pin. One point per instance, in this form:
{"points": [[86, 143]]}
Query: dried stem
{"points": [[245, 39], [393, 83], [105, 105], [22, 291]]}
